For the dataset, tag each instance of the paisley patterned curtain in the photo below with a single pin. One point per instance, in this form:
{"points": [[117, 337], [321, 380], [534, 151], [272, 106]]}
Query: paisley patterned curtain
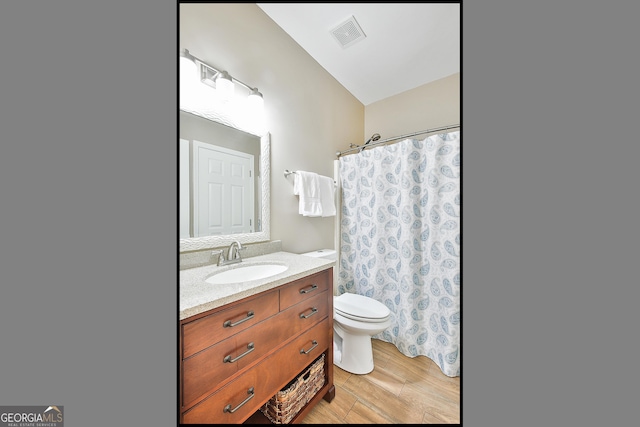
{"points": [[400, 241]]}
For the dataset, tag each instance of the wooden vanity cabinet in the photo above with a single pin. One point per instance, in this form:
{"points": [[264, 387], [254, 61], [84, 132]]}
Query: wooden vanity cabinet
{"points": [[234, 358]]}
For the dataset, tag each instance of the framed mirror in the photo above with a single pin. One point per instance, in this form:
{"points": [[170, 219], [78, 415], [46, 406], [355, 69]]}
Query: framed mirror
{"points": [[213, 212]]}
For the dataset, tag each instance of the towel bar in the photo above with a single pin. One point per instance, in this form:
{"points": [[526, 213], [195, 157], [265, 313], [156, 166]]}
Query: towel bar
{"points": [[287, 172]]}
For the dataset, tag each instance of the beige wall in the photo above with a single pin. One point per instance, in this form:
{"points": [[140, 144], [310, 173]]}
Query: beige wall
{"points": [[428, 106], [309, 114]]}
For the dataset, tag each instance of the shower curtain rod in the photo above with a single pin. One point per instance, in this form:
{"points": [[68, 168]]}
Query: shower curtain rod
{"points": [[357, 147]]}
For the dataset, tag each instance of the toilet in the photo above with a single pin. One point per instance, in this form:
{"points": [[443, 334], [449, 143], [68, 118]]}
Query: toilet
{"points": [[356, 318]]}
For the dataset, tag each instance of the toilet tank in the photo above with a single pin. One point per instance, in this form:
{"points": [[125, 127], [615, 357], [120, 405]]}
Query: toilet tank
{"points": [[322, 253]]}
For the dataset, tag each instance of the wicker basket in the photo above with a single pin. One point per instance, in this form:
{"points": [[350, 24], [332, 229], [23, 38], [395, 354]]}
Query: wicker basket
{"points": [[286, 404]]}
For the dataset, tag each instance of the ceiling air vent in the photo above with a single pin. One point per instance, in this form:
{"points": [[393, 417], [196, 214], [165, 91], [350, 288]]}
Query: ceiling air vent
{"points": [[348, 33]]}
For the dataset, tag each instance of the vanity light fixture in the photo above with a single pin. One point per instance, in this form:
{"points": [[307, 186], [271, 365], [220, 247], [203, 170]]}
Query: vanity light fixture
{"points": [[221, 81]]}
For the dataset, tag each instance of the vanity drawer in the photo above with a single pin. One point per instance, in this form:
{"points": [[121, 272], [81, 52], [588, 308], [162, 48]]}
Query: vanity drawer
{"points": [[261, 382], [304, 288], [250, 386], [209, 330], [205, 370], [308, 346], [307, 313]]}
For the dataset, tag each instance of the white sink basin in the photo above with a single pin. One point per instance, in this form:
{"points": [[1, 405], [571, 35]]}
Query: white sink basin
{"points": [[245, 273]]}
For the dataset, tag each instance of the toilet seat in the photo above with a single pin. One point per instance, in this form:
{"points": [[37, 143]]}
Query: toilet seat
{"points": [[356, 319], [360, 308]]}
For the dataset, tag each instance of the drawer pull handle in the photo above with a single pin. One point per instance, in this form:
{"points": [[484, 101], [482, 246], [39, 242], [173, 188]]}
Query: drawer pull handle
{"points": [[306, 316], [307, 290], [228, 323], [315, 344], [231, 411], [228, 359]]}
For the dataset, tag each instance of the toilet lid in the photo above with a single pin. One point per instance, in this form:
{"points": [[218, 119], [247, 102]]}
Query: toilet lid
{"points": [[356, 306]]}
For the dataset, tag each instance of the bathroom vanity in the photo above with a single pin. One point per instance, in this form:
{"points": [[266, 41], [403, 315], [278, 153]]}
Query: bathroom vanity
{"points": [[241, 343]]}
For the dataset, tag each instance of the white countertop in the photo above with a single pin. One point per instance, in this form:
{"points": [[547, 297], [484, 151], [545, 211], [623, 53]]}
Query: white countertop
{"points": [[198, 296]]}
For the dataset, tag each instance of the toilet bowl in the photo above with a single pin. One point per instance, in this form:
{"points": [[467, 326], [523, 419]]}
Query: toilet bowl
{"points": [[356, 318]]}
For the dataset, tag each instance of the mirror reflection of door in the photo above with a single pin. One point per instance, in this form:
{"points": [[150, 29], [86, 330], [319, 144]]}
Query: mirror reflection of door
{"points": [[223, 183]]}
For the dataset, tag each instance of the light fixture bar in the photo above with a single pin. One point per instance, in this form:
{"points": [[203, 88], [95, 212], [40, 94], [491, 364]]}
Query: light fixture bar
{"points": [[210, 73]]}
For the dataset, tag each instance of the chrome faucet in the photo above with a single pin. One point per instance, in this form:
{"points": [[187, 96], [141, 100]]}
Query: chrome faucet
{"points": [[233, 254]]}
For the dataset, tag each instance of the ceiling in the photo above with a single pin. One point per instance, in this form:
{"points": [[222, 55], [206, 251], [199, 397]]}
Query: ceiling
{"points": [[406, 45]]}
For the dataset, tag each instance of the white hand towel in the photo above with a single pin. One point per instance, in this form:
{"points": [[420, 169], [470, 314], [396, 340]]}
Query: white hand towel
{"points": [[327, 199], [307, 187]]}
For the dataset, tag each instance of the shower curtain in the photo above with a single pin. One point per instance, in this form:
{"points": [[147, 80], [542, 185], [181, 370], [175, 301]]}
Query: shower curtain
{"points": [[400, 241]]}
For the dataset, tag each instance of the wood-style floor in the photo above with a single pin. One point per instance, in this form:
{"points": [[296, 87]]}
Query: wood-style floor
{"points": [[400, 390]]}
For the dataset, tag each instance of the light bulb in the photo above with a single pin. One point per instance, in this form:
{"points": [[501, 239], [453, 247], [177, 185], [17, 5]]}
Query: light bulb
{"points": [[255, 100], [188, 79], [188, 68], [225, 86]]}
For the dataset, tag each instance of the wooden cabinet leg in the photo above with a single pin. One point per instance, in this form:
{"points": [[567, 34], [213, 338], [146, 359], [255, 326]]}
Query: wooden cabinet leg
{"points": [[330, 394]]}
